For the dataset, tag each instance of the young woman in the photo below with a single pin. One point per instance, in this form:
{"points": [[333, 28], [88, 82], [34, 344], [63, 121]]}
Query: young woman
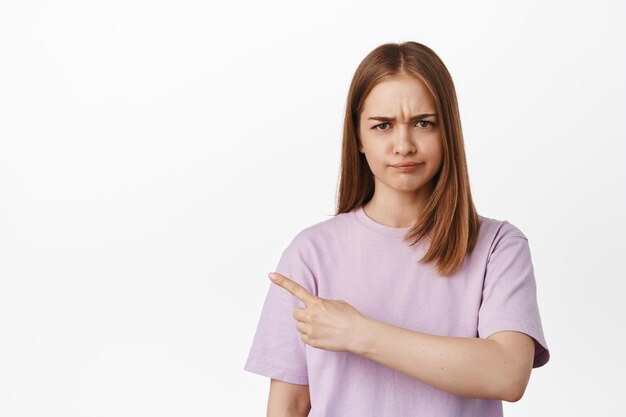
{"points": [[406, 302]]}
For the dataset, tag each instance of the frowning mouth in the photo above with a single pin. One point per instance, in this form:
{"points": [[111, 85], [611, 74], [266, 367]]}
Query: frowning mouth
{"points": [[405, 167], [404, 164]]}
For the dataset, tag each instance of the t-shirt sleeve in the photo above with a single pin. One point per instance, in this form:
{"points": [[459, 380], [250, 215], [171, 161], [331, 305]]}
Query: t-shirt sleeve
{"points": [[277, 348], [510, 294]]}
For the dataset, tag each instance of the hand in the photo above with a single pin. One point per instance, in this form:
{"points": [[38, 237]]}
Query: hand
{"points": [[324, 324]]}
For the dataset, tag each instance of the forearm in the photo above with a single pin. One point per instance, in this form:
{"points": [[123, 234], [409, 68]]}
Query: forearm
{"points": [[278, 411], [286, 414], [271, 413], [470, 367]]}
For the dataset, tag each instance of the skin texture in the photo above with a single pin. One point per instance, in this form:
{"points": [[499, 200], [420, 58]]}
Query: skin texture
{"points": [[399, 195]]}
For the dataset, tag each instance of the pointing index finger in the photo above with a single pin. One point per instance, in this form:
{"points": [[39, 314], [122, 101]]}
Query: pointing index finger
{"points": [[293, 287]]}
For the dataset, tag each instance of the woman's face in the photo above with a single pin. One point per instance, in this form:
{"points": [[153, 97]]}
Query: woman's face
{"points": [[398, 123]]}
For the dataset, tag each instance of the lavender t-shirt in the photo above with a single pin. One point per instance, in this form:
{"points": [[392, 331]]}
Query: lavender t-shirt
{"points": [[367, 264]]}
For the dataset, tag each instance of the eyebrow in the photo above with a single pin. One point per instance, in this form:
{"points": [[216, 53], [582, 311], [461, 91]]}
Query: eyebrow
{"points": [[390, 119]]}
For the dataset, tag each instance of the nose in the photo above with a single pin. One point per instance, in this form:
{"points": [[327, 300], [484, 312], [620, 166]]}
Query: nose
{"points": [[403, 141]]}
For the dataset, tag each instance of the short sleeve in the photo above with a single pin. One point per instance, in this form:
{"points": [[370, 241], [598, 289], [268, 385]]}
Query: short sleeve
{"points": [[510, 295], [277, 348]]}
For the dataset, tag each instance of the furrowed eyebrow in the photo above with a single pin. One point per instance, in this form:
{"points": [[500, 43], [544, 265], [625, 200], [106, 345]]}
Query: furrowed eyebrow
{"points": [[391, 119]]}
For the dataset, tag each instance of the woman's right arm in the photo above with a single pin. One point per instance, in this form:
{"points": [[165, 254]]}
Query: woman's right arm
{"points": [[288, 400]]}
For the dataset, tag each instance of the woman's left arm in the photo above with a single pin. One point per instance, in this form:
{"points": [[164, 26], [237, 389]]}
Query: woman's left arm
{"points": [[498, 367]]}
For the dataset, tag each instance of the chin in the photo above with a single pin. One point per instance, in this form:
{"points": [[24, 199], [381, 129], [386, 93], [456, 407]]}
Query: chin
{"points": [[405, 188]]}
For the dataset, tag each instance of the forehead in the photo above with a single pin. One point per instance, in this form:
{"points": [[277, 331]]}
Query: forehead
{"points": [[397, 94]]}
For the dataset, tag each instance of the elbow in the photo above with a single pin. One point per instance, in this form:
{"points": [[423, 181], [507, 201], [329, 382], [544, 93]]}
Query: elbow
{"points": [[513, 396], [516, 389]]}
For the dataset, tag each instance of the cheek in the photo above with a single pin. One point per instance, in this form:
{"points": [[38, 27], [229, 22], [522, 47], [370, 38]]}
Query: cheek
{"points": [[434, 148]]}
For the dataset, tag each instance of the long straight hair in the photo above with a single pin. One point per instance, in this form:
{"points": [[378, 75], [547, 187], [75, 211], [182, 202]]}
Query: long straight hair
{"points": [[449, 220]]}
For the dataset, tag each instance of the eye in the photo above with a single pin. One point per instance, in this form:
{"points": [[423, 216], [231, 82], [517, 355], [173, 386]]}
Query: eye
{"points": [[426, 121], [376, 127]]}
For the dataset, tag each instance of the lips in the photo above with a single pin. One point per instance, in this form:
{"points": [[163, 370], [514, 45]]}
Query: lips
{"points": [[405, 164]]}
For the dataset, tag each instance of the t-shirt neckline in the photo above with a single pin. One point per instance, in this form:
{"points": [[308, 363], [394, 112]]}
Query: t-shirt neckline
{"points": [[366, 221]]}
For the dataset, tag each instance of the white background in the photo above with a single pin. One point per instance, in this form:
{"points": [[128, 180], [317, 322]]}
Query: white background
{"points": [[157, 156]]}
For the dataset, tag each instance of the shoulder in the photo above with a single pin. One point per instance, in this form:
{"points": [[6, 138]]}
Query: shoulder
{"points": [[495, 229], [501, 235]]}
